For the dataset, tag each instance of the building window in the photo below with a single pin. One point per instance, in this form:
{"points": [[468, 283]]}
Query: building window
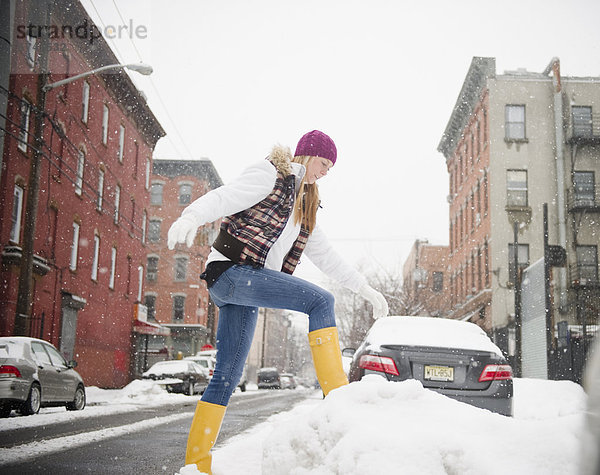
{"points": [[105, 125], [144, 223], [148, 170], [24, 125], [96, 258], [584, 185], [438, 281], [587, 263], [180, 269], [121, 142], [17, 215], [85, 102], [582, 121], [113, 268], [150, 303], [156, 194], [74, 247], [523, 259], [516, 188], [80, 168], [185, 194], [140, 282], [154, 230], [100, 190], [485, 193], [484, 127], [117, 203], [152, 269], [515, 122], [178, 307]]}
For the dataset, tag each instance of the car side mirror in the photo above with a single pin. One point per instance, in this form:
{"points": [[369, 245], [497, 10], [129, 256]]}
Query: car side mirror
{"points": [[349, 352], [72, 364]]}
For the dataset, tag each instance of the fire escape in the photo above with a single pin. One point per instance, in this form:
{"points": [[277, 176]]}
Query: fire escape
{"points": [[583, 204]]}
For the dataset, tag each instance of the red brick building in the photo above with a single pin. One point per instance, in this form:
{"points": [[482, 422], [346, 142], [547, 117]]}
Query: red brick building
{"points": [[96, 157], [175, 296], [425, 279]]}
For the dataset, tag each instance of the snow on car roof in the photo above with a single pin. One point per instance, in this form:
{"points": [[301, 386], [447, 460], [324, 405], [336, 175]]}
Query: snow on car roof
{"points": [[162, 367], [429, 331]]}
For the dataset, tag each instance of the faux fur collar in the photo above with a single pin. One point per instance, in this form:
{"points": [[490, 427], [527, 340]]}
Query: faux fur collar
{"points": [[281, 158]]}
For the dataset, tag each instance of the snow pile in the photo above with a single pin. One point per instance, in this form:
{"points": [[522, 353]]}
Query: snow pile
{"points": [[138, 392], [375, 426], [542, 399]]}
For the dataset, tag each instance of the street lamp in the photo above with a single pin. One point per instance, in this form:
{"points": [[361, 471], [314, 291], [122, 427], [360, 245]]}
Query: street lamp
{"points": [[141, 68], [24, 297]]}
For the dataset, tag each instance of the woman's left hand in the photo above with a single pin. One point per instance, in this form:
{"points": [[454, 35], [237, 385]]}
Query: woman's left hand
{"points": [[380, 305]]}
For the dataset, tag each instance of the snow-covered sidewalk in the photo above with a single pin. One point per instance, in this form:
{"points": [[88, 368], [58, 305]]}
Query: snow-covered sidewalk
{"points": [[375, 427]]}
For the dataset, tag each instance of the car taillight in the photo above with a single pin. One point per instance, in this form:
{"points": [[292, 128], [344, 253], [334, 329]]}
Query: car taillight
{"points": [[495, 372], [383, 364], [7, 371], [210, 372]]}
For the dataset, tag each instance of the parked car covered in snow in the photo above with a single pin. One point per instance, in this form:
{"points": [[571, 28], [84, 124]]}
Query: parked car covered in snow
{"points": [[179, 376], [208, 359], [454, 358], [34, 374], [287, 381]]}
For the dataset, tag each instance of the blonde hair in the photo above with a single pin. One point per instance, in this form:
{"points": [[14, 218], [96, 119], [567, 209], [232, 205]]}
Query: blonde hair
{"points": [[307, 199]]}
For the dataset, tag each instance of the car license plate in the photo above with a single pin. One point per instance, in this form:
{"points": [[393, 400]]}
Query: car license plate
{"points": [[439, 373]]}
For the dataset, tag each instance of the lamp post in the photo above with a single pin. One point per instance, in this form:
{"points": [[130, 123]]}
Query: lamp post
{"points": [[24, 297], [141, 68]]}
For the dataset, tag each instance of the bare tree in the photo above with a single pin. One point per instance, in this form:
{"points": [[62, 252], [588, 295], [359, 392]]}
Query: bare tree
{"points": [[355, 316]]}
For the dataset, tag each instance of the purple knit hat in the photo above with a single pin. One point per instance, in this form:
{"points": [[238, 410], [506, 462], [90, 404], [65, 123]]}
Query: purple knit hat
{"points": [[317, 144]]}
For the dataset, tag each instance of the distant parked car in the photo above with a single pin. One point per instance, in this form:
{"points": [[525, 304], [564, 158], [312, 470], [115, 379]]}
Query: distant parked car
{"points": [[454, 358], [287, 381], [207, 359], [179, 376], [34, 374], [268, 378]]}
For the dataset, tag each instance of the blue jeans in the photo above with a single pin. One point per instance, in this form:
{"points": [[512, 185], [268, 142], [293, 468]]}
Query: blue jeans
{"points": [[238, 293]]}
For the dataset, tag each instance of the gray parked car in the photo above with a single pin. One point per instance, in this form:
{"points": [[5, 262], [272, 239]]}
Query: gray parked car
{"points": [[34, 374], [454, 358], [179, 376]]}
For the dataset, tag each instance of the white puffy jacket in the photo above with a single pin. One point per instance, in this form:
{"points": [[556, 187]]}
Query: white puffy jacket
{"points": [[250, 187]]}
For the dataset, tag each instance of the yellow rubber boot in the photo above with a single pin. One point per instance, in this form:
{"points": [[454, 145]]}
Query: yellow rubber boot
{"points": [[203, 435], [327, 358]]}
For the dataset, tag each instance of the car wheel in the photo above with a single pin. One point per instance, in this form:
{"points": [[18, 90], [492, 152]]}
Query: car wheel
{"points": [[243, 387], [78, 402], [5, 410], [34, 401]]}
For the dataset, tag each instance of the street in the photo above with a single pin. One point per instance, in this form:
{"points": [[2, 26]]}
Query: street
{"points": [[156, 450]]}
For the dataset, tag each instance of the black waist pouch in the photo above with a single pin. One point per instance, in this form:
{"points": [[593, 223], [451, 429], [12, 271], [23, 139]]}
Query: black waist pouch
{"points": [[214, 270]]}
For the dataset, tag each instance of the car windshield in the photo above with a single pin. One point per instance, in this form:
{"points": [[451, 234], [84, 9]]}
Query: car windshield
{"points": [[432, 332], [169, 367]]}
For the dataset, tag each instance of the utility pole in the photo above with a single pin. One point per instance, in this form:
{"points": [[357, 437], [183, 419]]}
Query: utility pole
{"points": [[24, 296], [517, 288]]}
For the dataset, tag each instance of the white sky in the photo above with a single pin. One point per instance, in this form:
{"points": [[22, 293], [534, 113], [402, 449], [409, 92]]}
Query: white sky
{"points": [[232, 78]]}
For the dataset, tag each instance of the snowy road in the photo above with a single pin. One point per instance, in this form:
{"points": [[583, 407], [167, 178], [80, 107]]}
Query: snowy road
{"points": [[150, 438]]}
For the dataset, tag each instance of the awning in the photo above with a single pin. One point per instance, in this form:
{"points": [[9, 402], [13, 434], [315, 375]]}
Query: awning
{"points": [[147, 328]]}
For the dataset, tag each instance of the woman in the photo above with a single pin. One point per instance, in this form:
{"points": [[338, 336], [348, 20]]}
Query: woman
{"points": [[269, 220]]}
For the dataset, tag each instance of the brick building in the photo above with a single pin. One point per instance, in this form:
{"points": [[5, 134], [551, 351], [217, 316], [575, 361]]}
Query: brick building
{"points": [[175, 296], [95, 159], [515, 141], [424, 278]]}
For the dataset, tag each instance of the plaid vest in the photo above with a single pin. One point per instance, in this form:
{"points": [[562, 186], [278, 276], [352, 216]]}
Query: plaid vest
{"points": [[247, 236]]}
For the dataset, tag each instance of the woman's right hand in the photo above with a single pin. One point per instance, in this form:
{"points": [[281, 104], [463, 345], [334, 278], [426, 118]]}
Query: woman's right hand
{"points": [[182, 230]]}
